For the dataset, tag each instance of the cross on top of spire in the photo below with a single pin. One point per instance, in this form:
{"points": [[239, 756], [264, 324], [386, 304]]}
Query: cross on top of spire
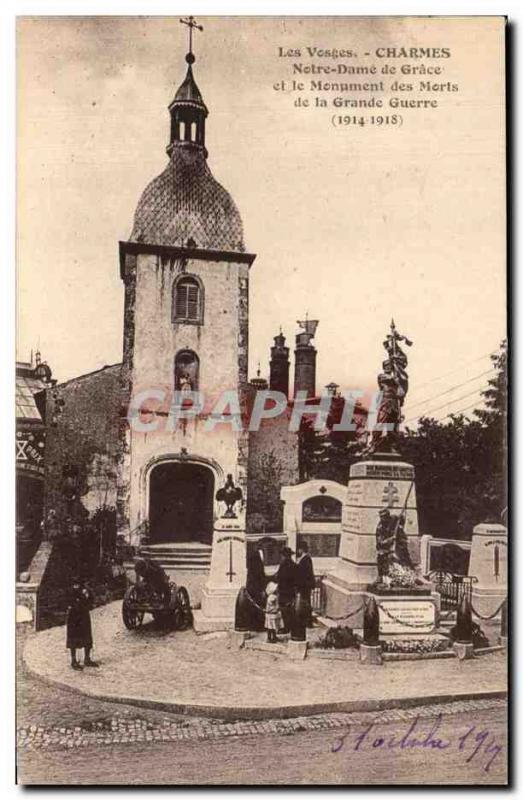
{"points": [[191, 23]]}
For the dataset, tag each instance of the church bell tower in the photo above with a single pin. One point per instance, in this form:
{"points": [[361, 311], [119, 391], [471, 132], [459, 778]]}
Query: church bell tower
{"points": [[186, 276]]}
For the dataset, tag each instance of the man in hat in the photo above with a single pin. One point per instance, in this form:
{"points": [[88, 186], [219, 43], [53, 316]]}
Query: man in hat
{"points": [[286, 579], [150, 574], [305, 580]]}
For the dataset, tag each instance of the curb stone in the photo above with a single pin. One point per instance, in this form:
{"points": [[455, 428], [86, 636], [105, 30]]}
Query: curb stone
{"points": [[232, 714]]}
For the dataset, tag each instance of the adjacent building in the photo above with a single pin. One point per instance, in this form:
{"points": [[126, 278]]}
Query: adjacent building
{"points": [[32, 379]]}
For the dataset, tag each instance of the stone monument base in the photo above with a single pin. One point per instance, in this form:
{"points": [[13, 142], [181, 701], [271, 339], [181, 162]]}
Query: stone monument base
{"points": [[488, 565], [401, 611], [227, 575], [204, 624], [407, 611], [343, 601], [487, 601]]}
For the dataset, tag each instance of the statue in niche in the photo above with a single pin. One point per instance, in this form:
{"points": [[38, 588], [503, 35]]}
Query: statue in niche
{"points": [[186, 369], [185, 383]]}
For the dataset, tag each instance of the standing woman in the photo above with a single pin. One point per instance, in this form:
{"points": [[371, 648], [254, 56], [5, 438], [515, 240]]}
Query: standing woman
{"points": [[78, 625], [255, 585]]}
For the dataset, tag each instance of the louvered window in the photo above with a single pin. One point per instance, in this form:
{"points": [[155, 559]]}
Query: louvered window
{"points": [[187, 300]]}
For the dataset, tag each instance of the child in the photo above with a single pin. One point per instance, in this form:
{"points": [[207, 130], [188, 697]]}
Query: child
{"points": [[78, 625], [273, 618]]}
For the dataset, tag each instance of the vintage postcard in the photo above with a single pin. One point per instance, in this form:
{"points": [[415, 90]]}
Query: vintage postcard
{"points": [[261, 401]]}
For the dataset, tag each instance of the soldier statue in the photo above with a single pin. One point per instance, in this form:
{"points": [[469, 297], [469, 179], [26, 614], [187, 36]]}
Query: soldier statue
{"points": [[391, 544], [385, 539], [393, 383]]}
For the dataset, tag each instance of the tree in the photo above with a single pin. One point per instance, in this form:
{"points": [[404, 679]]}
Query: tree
{"points": [[461, 464], [264, 507], [329, 454], [495, 397]]}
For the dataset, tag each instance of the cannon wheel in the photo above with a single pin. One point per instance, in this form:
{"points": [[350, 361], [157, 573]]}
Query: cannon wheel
{"points": [[183, 613], [131, 619]]}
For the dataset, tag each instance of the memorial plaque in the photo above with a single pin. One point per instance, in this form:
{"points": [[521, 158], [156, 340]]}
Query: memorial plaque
{"points": [[407, 616], [352, 520], [354, 493], [377, 469]]}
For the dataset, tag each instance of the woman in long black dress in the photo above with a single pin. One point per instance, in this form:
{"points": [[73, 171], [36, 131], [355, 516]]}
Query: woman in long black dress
{"points": [[78, 625], [256, 583], [250, 603]]}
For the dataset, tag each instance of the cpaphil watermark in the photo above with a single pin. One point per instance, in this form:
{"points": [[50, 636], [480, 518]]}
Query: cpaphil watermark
{"points": [[157, 409]]}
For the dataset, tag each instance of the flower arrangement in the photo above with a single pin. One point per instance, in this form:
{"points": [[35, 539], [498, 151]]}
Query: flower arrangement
{"points": [[402, 576], [338, 638], [415, 645]]}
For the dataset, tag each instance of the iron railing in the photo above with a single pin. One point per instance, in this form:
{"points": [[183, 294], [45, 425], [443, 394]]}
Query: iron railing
{"points": [[318, 597], [452, 588]]}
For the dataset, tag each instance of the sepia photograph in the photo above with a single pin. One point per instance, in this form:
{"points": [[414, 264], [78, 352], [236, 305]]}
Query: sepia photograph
{"points": [[262, 522]]}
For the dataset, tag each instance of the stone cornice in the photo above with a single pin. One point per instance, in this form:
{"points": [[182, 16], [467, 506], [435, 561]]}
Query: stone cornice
{"points": [[188, 253]]}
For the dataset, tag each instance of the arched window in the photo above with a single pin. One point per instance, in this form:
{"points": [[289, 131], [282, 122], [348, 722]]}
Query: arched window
{"points": [[186, 371], [188, 300]]}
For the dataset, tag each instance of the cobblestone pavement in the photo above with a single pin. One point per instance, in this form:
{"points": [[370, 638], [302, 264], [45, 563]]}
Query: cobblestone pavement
{"points": [[68, 738], [118, 729]]}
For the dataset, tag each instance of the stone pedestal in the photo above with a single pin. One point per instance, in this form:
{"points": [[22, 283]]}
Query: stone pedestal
{"points": [[405, 615], [377, 483], [408, 612], [237, 639], [296, 650], [227, 575], [488, 564], [463, 650], [370, 654]]}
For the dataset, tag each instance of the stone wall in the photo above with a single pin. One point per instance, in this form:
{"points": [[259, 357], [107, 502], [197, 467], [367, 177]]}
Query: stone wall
{"points": [[83, 419], [220, 342], [152, 340]]}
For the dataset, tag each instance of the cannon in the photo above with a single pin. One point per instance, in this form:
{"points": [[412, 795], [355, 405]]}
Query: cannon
{"points": [[169, 607]]}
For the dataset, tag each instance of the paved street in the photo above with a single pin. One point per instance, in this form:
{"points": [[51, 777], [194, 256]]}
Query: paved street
{"points": [[359, 749], [68, 738]]}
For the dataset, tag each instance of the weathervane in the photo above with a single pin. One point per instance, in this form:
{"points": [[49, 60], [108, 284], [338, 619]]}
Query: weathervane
{"points": [[191, 23]]}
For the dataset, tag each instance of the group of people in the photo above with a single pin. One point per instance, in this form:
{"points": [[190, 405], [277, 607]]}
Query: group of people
{"points": [[271, 601]]}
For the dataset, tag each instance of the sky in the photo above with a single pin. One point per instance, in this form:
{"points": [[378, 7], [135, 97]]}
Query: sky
{"points": [[352, 225]]}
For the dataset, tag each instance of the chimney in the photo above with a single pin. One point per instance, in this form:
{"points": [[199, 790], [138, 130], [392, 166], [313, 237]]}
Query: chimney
{"points": [[279, 366], [305, 359], [258, 383]]}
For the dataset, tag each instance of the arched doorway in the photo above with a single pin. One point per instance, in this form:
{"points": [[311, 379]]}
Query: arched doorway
{"points": [[181, 498]]}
